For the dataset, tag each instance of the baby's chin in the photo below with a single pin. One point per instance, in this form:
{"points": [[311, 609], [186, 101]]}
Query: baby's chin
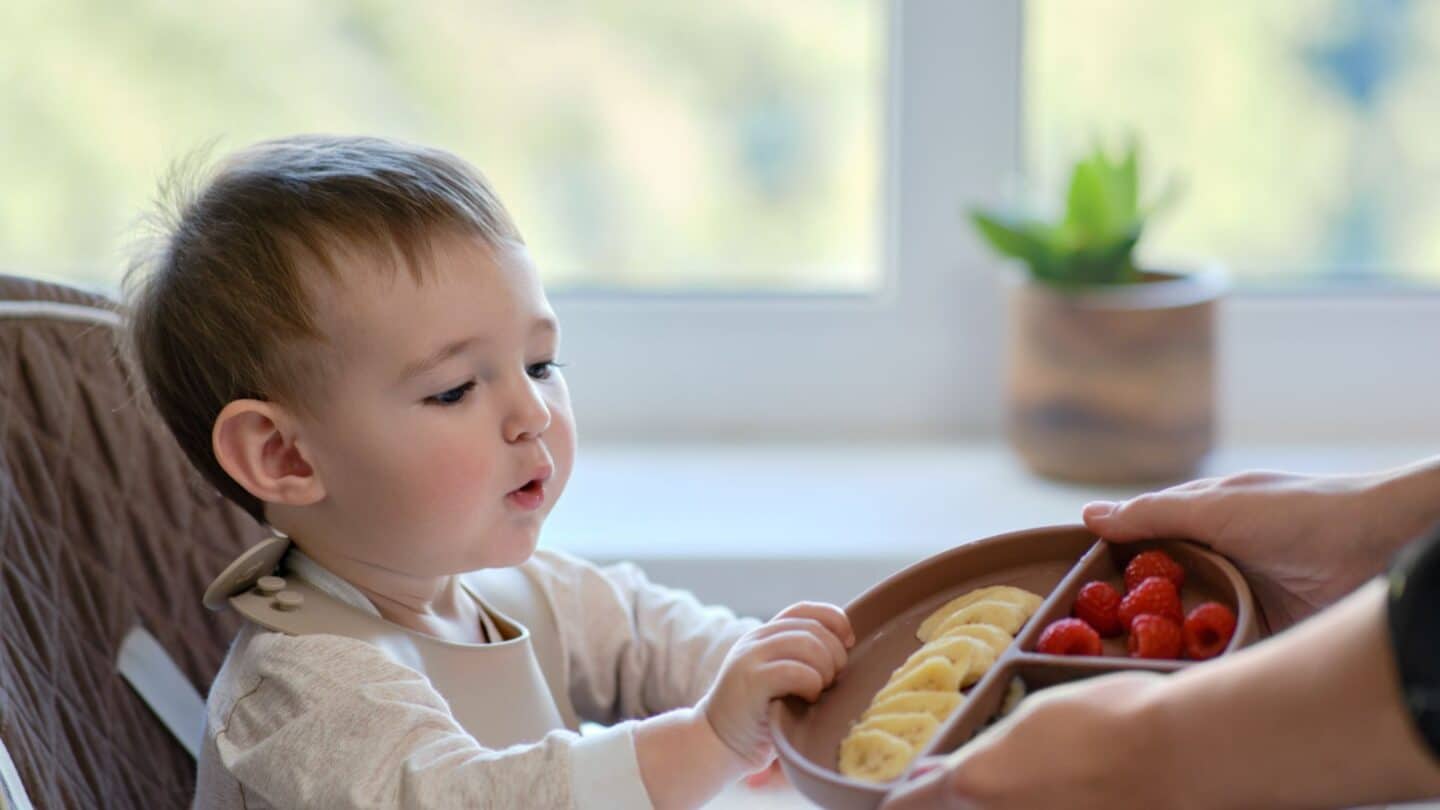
{"points": [[506, 552]]}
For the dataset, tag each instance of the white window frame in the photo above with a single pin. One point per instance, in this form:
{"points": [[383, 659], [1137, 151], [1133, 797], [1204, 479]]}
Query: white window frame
{"points": [[923, 357]]}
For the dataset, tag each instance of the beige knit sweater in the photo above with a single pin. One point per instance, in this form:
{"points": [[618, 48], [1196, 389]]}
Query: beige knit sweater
{"points": [[326, 721]]}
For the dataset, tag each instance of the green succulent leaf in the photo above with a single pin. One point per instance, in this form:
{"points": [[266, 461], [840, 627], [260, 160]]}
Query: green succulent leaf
{"points": [[1034, 243], [1105, 263], [1094, 242], [1091, 207]]}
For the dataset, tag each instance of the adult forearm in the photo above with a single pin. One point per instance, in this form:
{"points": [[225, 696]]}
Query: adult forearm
{"points": [[1312, 718], [1411, 496], [682, 762]]}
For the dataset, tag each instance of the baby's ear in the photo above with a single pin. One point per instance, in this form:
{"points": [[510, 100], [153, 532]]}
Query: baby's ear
{"points": [[254, 441]]}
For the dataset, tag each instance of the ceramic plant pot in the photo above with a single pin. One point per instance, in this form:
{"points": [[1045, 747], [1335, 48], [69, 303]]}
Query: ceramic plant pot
{"points": [[1114, 384]]}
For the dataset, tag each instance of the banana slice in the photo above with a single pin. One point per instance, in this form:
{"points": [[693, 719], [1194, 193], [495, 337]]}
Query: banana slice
{"points": [[1003, 615], [939, 704], [935, 674], [1013, 695], [972, 658], [1008, 594], [993, 637], [982, 658], [962, 641], [915, 728], [874, 755], [958, 650]]}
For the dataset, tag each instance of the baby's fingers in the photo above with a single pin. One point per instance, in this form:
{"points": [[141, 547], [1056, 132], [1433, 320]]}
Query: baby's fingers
{"points": [[829, 615], [787, 676], [808, 627]]}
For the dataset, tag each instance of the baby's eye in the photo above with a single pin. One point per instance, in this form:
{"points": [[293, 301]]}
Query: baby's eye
{"points": [[542, 371], [453, 396]]}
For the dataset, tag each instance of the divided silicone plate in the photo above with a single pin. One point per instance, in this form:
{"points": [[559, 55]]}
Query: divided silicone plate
{"points": [[1054, 562]]}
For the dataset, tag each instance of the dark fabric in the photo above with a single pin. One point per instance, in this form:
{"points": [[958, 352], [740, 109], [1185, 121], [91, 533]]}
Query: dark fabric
{"points": [[1413, 614], [103, 525]]}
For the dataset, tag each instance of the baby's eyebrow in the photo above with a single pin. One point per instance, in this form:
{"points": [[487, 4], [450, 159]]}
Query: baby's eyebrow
{"points": [[417, 367]]}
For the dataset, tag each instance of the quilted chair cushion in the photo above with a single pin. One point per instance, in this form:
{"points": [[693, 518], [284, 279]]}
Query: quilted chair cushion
{"points": [[103, 525]]}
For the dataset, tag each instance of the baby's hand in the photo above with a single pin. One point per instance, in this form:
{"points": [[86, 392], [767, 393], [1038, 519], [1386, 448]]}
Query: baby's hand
{"points": [[798, 652]]}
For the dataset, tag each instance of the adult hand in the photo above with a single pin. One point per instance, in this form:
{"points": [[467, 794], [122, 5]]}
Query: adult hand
{"points": [[1060, 748], [1303, 541], [1310, 718]]}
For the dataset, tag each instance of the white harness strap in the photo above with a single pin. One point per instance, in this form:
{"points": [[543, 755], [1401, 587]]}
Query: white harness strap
{"points": [[159, 682], [163, 687], [12, 790], [58, 310]]}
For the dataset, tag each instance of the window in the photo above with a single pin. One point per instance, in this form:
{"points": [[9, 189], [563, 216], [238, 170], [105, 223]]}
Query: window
{"points": [[832, 289], [1303, 131], [642, 146]]}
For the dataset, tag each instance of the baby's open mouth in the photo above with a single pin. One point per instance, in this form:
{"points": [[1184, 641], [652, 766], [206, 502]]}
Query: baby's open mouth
{"points": [[530, 496]]}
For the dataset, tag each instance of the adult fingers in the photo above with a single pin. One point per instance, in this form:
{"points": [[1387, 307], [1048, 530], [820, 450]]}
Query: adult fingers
{"points": [[1169, 513], [925, 790]]}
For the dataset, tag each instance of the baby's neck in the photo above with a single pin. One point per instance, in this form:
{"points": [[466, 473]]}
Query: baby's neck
{"points": [[453, 616], [436, 606]]}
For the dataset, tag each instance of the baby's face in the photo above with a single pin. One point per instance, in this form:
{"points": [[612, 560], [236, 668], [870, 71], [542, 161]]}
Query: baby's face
{"points": [[446, 435]]}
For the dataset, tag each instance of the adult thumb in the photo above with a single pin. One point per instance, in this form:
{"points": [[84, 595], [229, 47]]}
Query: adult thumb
{"points": [[1141, 518], [929, 789]]}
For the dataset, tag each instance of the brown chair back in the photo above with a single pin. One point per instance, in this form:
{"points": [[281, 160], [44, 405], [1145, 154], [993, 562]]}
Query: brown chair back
{"points": [[103, 525]]}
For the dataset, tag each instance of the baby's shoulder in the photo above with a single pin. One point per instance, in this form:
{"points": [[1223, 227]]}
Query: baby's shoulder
{"points": [[270, 680], [299, 668]]}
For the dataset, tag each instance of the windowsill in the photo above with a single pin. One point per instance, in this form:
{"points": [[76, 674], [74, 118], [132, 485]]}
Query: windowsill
{"points": [[758, 526]]}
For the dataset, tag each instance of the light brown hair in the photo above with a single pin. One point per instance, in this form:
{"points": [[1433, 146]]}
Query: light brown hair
{"points": [[216, 302]]}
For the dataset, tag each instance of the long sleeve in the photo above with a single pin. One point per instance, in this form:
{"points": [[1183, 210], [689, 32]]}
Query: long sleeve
{"points": [[329, 722], [634, 648]]}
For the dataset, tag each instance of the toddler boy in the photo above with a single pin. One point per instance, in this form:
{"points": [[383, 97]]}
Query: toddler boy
{"points": [[348, 338]]}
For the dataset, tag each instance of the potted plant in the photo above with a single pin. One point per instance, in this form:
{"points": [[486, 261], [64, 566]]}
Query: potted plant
{"points": [[1110, 367]]}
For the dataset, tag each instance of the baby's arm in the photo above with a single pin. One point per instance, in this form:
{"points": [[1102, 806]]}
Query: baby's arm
{"points": [[634, 648], [325, 721], [689, 755]]}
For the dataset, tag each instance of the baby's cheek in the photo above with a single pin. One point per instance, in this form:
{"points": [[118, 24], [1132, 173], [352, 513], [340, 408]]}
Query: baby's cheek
{"points": [[449, 482]]}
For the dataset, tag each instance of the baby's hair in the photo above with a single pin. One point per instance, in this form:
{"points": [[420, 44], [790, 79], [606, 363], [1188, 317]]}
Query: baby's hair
{"points": [[216, 298]]}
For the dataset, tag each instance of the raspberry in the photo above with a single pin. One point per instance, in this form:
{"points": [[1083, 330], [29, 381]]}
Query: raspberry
{"points": [[1153, 563], [1155, 595], [1098, 605], [1208, 629], [1154, 636], [1069, 637]]}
